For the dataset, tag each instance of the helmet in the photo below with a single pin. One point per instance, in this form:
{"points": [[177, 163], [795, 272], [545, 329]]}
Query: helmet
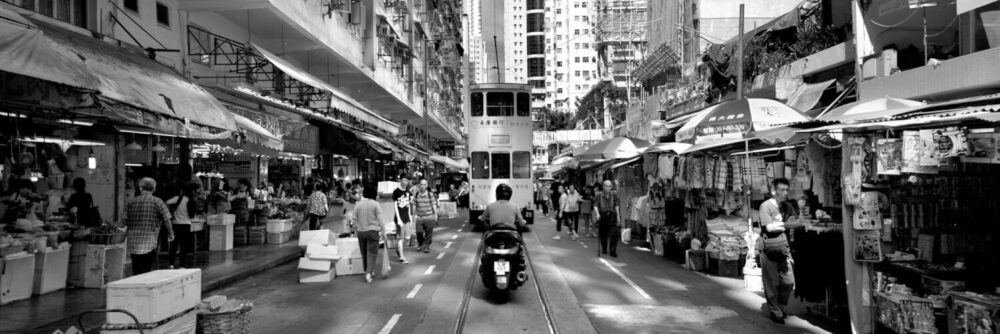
{"points": [[504, 192]]}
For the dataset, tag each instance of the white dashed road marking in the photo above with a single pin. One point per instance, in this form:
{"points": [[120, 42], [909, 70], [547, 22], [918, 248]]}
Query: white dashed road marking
{"points": [[447, 244], [429, 270], [413, 293], [454, 237], [440, 256], [389, 325], [627, 280]]}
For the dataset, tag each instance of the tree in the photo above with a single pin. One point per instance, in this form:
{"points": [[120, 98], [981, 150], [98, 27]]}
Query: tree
{"points": [[592, 104], [551, 120]]}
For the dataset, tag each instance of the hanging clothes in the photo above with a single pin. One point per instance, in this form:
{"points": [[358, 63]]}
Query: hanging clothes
{"points": [[666, 167], [818, 253], [650, 164]]}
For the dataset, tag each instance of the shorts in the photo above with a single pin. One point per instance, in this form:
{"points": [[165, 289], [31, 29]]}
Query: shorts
{"points": [[406, 229]]}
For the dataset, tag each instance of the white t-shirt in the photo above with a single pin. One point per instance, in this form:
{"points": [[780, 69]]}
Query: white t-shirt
{"points": [[181, 214]]}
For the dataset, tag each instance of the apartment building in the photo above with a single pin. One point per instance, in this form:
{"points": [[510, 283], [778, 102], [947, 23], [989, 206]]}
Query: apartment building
{"points": [[620, 32], [571, 57]]}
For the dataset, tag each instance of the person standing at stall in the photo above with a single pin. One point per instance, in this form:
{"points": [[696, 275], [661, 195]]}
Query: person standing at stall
{"points": [[81, 204], [183, 207], [367, 220], [426, 216], [144, 216], [774, 253], [240, 202], [608, 213]]}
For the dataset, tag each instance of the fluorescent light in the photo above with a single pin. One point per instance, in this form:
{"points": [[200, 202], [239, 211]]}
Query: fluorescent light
{"points": [[139, 132], [56, 140], [133, 165], [75, 122], [7, 114]]}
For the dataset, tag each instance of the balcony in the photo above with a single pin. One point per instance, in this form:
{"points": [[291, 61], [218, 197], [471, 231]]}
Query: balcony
{"points": [[964, 75]]}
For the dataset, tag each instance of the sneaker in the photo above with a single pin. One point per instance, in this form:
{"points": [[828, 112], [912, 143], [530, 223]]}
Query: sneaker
{"points": [[403, 261], [556, 237], [427, 250], [368, 278], [573, 236]]}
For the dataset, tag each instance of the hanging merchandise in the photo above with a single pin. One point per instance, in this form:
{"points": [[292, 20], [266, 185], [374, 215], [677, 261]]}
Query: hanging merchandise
{"points": [[982, 147], [951, 142], [867, 247], [666, 166], [802, 173], [681, 173], [867, 215], [914, 151], [852, 181]]}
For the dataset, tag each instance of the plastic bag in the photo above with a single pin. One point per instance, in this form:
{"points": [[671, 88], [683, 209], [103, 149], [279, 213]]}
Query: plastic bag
{"points": [[384, 256], [627, 235]]}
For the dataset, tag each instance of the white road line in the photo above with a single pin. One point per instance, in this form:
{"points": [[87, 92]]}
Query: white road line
{"points": [[440, 256], [460, 230], [413, 293], [429, 270], [389, 325], [454, 237], [585, 246], [627, 280], [447, 244]]}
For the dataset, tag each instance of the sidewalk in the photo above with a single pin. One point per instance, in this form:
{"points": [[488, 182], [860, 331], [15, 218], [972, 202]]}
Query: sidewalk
{"points": [[59, 310]]}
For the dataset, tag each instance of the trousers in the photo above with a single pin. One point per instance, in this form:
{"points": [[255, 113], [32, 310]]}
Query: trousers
{"points": [[184, 244], [572, 221], [143, 263], [609, 232], [425, 228], [779, 280], [368, 241]]}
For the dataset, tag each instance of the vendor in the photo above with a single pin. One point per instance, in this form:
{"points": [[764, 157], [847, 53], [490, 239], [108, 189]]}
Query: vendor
{"points": [[240, 202], [81, 204]]}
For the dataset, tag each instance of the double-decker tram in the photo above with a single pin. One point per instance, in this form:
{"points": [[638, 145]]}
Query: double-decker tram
{"points": [[500, 145]]}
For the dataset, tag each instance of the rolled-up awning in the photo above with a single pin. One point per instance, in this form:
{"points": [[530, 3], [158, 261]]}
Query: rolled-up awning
{"points": [[377, 143], [129, 82], [257, 134], [448, 162], [338, 100]]}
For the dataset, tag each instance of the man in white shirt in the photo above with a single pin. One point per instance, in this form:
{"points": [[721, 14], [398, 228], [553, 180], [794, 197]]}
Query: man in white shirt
{"points": [[774, 254]]}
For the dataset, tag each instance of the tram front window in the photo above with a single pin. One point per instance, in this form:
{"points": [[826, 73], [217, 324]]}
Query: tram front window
{"points": [[500, 104], [521, 165], [500, 162], [523, 105]]}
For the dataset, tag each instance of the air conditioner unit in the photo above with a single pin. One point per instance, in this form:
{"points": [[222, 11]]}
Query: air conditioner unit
{"points": [[358, 14]]}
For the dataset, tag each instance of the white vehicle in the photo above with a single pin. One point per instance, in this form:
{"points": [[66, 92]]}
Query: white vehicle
{"points": [[500, 145]]}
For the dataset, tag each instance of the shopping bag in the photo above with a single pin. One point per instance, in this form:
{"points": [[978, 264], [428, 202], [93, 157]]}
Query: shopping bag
{"points": [[626, 235], [384, 256]]}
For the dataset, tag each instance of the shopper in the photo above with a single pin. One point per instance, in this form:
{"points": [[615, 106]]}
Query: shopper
{"points": [[569, 209], [144, 216], [587, 211], [81, 205], [367, 222], [608, 213], [463, 195], [319, 207], [240, 202], [557, 192], [774, 253], [404, 215], [426, 216], [183, 207], [543, 198]]}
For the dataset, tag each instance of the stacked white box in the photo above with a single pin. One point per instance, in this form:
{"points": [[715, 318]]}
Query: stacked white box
{"points": [[279, 225], [350, 257], [322, 237], [51, 269], [154, 296], [16, 277], [317, 265]]}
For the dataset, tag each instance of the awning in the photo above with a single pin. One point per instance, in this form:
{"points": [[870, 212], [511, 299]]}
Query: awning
{"points": [[377, 143], [805, 97], [153, 95], [448, 162], [338, 100], [625, 162], [257, 134], [989, 113], [661, 60]]}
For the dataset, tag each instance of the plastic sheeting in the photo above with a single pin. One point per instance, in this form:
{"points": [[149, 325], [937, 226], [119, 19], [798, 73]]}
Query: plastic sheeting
{"points": [[38, 49]]}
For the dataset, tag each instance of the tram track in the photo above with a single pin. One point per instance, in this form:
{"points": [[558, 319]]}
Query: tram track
{"points": [[471, 287]]}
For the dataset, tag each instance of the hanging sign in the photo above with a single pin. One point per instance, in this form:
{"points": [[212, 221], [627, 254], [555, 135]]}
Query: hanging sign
{"points": [[983, 147], [914, 150], [867, 215], [890, 156], [867, 246]]}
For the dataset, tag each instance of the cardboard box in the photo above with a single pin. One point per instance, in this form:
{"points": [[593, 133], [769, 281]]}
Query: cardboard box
{"points": [[279, 238], [185, 324], [220, 237], [320, 252], [51, 270], [154, 296], [309, 276], [349, 248], [319, 237], [16, 277], [349, 266], [314, 265]]}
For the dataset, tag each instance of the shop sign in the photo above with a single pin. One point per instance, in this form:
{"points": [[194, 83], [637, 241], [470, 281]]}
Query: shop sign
{"points": [[446, 145], [22, 88], [304, 140]]}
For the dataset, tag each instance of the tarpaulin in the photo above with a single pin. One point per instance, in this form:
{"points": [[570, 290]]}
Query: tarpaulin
{"points": [[32, 47]]}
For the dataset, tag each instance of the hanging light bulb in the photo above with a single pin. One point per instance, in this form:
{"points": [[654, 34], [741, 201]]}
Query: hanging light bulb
{"points": [[158, 147], [134, 146], [34, 177], [91, 160]]}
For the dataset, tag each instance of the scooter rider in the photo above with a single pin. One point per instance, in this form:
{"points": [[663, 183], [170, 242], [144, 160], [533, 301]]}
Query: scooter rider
{"points": [[503, 211]]}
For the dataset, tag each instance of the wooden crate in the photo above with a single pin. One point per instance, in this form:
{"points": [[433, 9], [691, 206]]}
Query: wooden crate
{"points": [[240, 235], [104, 264], [257, 235]]}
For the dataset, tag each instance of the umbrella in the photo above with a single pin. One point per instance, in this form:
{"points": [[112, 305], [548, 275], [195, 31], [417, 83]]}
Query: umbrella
{"points": [[877, 108], [738, 119], [667, 147], [615, 148]]}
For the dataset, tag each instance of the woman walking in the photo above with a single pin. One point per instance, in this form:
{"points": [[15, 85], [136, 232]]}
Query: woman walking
{"points": [[367, 219], [183, 207], [426, 216], [319, 207], [557, 190], [569, 208]]}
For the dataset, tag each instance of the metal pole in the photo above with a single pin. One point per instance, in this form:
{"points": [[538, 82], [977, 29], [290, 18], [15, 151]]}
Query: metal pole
{"points": [[739, 59], [496, 51]]}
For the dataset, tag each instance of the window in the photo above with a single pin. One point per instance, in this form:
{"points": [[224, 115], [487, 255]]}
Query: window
{"points": [[500, 165], [577, 73], [558, 64], [576, 17], [523, 105], [586, 45], [558, 10], [576, 31], [477, 105], [559, 24], [576, 59], [480, 165], [583, 5], [558, 37], [576, 5], [132, 5], [536, 67], [577, 87], [586, 59], [162, 14], [500, 104], [560, 91]]}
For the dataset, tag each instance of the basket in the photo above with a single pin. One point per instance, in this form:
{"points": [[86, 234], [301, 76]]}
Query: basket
{"points": [[107, 239], [234, 322]]}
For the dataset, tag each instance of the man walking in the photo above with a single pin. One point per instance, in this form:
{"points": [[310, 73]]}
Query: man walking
{"points": [[404, 213], [144, 216], [775, 255], [427, 216], [608, 212], [368, 223], [556, 196]]}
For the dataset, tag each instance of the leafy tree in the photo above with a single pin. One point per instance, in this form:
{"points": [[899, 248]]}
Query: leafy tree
{"points": [[592, 104], [551, 120]]}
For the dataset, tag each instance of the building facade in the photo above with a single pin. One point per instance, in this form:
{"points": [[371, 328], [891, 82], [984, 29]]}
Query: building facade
{"points": [[571, 56]]}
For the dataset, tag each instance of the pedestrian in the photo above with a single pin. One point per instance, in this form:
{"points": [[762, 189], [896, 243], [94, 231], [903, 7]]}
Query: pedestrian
{"points": [[543, 198], [81, 205], [774, 253], [587, 211], [608, 213], [404, 215], [557, 190], [367, 221], [427, 216], [240, 202], [182, 208], [319, 207], [144, 216], [463, 195], [453, 193], [569, 208]]}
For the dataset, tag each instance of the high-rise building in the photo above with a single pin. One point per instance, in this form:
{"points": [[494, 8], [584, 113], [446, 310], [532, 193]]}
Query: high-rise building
{"points": [[620, 33], [536, 53], [571, 57], [476, 44], [504, 35]]}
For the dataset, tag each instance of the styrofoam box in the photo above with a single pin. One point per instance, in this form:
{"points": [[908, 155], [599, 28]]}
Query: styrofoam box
{"points": [[279, 238], [279, 225], [185, 324], [350, 266], [320, 252], [220, 237], [16, 277], [51, 270], [349, 248], [154, 296], [314, 265], [320, 237], [309, 276]]}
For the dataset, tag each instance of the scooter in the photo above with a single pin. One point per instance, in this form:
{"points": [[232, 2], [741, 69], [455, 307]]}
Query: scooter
{"points": [[502, 265]]}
